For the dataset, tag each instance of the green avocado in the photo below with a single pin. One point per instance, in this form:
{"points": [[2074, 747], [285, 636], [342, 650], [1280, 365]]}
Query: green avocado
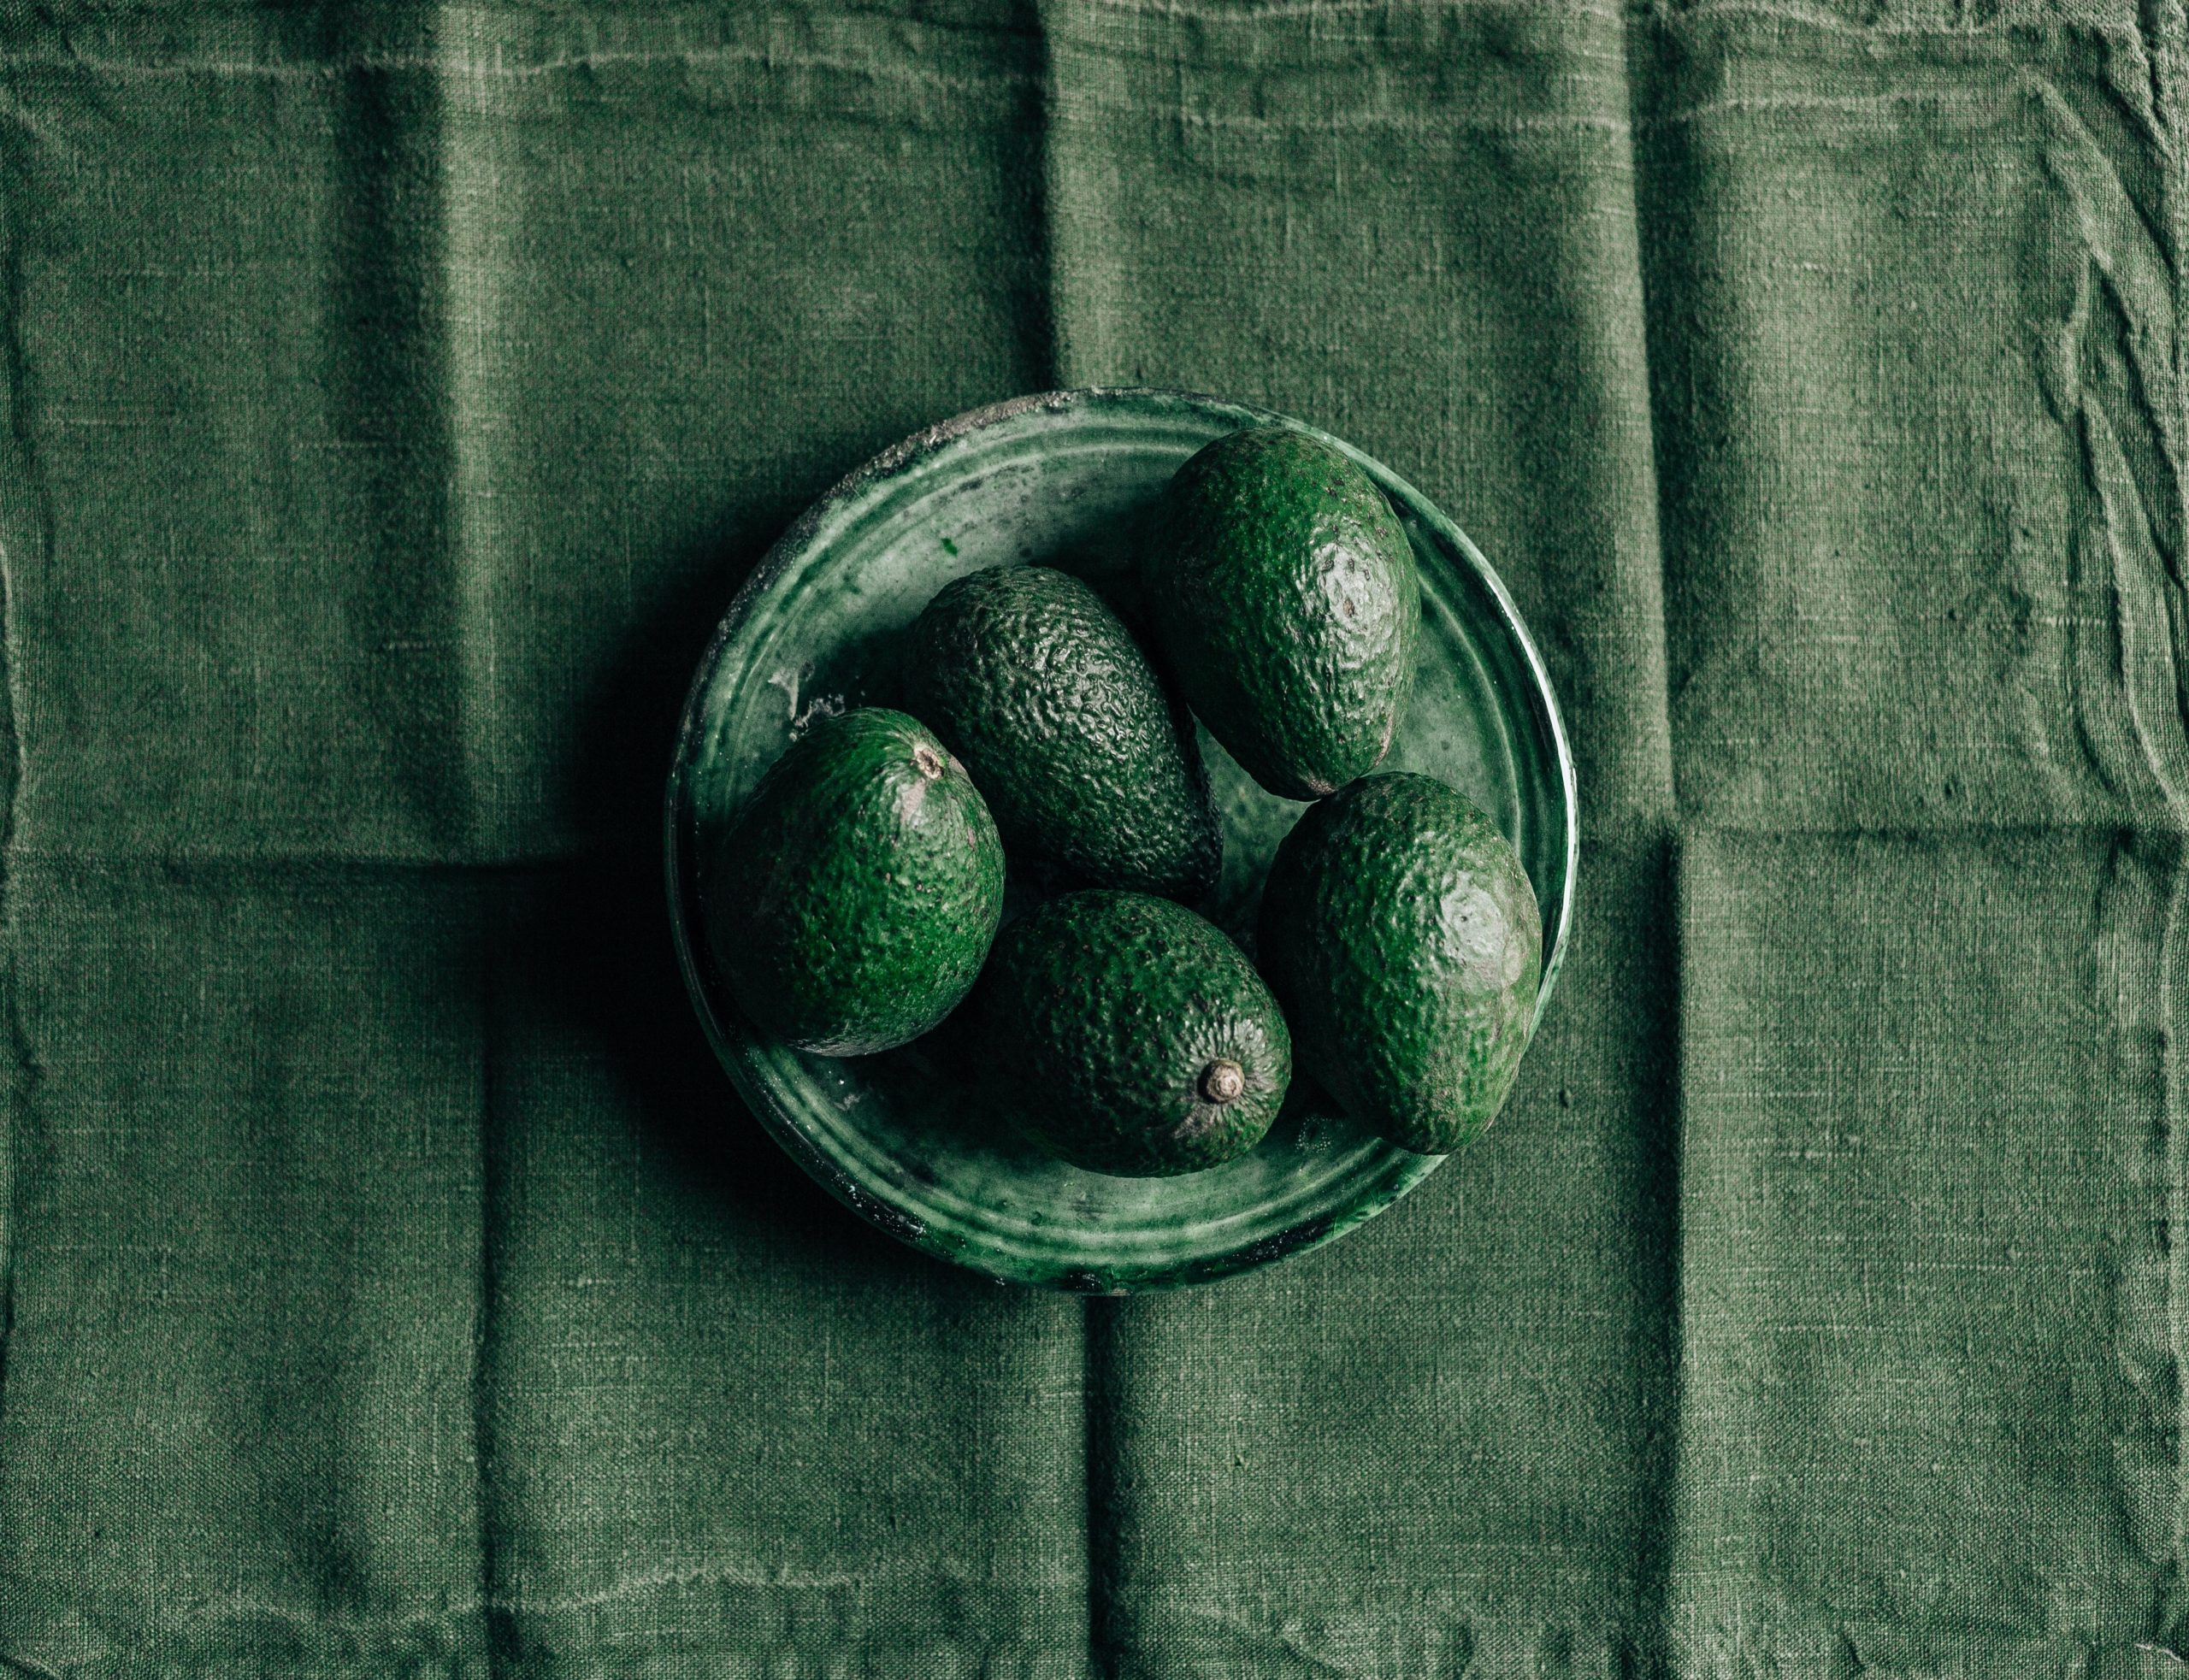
{"points": [[1085, 760], [1127, 1035], [1400, 929], [1284, 597], [851, 898]]}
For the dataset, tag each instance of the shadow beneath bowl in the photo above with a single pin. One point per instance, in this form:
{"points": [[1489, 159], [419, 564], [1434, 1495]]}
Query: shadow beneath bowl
{"points": [[586, 955]]}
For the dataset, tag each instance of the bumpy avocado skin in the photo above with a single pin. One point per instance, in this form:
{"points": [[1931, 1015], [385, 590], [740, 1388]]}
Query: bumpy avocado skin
{"points": [[1083, 758], [1102, 1016], [1400, 931], [851, 900], [1285, 596]]}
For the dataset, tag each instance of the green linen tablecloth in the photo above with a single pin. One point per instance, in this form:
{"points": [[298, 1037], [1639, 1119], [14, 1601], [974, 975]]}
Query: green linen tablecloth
{"points": [[394, 396]]}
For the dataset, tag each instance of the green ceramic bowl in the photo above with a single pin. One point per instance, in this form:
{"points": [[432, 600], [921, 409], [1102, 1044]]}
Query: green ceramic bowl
{"points": [[1063, 480]]}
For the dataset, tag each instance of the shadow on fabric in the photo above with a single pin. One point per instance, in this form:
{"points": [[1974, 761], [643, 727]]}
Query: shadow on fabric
{"points": [[593, 948]]}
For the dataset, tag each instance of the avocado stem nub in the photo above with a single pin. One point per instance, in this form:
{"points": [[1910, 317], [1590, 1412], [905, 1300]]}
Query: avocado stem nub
{"points": [[929, 765], [1223, 1080]]}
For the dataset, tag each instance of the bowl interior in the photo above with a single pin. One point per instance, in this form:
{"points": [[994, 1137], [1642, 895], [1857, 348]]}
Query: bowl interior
{"points": [[1066, 480]]}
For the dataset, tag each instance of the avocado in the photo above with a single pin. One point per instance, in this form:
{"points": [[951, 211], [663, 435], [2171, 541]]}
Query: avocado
{"points": [[1284, 598], [1084, 759], [1127, 1035], [851, 900], [1402, 934]]}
